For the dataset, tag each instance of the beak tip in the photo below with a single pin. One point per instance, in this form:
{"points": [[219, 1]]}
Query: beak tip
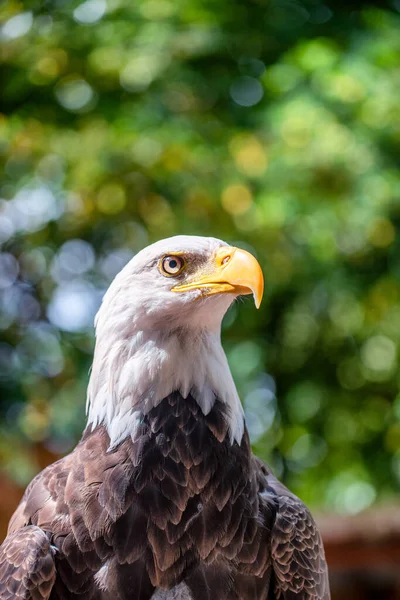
{"points": [[258, 291]]}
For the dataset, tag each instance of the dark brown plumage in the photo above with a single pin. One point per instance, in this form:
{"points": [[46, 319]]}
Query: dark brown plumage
{"points": [[179, 509]]}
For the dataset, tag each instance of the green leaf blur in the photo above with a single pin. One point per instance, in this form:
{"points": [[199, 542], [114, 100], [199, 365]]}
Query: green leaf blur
{"points": [[273, 125]]}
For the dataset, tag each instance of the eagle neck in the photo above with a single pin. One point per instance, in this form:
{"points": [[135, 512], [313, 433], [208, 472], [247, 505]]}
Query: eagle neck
{"points": [[132, 376]]}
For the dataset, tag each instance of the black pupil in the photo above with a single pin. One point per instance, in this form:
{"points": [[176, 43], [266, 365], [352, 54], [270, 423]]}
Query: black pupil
{"points": [[173, 264]]}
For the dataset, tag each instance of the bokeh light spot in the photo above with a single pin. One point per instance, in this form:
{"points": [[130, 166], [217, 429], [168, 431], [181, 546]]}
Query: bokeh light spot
{"points": [[73, 306], [112, 264], [141, 70], [260, 410], [236, 199], [75, 95], [357, 497], [379, 357], [74, 258], [246, 91], [9, 269], [111, 199], [90, 11], [382, 233], [250, 155], [17, 26]]}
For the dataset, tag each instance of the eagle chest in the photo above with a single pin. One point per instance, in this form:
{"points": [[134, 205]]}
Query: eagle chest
{"points": [[180, 492]]}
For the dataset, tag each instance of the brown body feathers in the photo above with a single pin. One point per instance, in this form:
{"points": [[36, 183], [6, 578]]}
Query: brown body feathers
{"points": [[178, 512]]}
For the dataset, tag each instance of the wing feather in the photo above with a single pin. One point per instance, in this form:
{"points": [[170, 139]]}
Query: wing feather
{"points": [[297, 551], [27, 570]]}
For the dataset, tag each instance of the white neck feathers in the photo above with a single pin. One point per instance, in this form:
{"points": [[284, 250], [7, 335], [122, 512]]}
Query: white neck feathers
{"points": [[131, 376]]}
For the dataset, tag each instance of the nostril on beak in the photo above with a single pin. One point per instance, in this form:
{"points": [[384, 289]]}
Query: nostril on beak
{"points": [[224, 255]]}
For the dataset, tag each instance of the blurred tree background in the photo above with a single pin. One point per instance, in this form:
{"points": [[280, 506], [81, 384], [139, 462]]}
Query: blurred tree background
{"points": [[274, 125]]}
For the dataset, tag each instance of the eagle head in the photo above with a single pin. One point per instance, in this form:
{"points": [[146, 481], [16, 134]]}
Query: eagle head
{"points": [[158, 329], [183, 281]]}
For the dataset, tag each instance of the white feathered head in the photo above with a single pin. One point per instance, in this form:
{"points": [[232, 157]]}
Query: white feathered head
{"points": [[158, 330]]}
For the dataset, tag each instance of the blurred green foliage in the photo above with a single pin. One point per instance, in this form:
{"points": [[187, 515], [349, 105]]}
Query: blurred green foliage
{"points": [[274, 125]]}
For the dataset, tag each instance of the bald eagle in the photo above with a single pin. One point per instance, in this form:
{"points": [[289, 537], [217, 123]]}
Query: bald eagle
{"points": [[162, 498]]}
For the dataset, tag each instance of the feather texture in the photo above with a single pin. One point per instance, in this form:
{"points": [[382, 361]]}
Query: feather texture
{"points": [[27, 569], [195, 510]]}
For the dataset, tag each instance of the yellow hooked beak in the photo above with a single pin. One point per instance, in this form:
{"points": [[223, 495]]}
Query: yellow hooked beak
{"points": [[233, 271]]}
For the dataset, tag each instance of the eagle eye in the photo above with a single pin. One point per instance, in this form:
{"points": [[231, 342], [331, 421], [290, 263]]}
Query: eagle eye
{"points": [[172, 265]]}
